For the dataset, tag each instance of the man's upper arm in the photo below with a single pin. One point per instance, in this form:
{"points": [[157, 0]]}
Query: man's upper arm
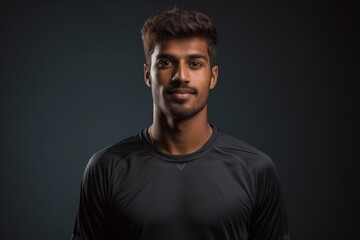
{"points": [[92, 213], [269, 220]]}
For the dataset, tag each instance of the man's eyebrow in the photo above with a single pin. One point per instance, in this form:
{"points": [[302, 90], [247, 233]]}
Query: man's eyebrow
{"points": [[166, 56], [195, 56], [191, 56]]}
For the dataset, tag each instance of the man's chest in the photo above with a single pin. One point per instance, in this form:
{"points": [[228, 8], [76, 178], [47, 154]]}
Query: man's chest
{"points": [[194, 193]]}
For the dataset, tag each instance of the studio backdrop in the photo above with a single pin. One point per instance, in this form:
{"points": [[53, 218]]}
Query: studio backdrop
{"points": [[72, 84]]}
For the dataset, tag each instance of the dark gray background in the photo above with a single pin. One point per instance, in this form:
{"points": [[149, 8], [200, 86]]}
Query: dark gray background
{"points": [[72, 84]]}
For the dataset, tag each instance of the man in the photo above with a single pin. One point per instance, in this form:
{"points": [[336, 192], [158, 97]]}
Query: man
{"points": [[180, 178]]}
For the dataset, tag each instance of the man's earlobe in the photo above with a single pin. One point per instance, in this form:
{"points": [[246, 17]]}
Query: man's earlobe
{"points": [[147, 75], [214, 76]]}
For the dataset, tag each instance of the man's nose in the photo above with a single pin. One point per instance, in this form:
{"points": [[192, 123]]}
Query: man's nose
{"points": [[181, 73]]}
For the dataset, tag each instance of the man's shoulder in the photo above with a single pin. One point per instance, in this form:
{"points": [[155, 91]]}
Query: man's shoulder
{"points": [[119, 151], [250, 155]]}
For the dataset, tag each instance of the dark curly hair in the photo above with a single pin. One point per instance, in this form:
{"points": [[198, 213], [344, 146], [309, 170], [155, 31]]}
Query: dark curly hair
{"points": [[177, 23]]}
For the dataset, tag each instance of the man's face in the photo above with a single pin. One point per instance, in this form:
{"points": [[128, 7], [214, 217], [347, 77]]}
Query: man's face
{"points": [[180, 77]]}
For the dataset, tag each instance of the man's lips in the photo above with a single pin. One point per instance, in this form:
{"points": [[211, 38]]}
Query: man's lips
{"points": [[181, 93]]}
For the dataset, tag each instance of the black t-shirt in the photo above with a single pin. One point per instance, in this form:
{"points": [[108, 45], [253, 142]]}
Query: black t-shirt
{"points": [[225, 190]]}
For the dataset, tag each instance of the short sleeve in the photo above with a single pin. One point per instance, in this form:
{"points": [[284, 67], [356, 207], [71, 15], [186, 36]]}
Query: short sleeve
{"points": [[91, 219], [268, 220]]}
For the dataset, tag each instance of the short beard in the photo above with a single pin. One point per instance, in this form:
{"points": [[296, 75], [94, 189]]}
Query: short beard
{"points": [[182, 113]]}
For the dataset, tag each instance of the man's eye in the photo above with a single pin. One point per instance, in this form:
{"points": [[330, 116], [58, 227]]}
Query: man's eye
{"points": [[164, 63], [195, 64]]}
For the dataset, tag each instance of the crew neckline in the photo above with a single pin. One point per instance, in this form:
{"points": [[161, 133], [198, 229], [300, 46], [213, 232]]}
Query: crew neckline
{"points": [[179, 158]]}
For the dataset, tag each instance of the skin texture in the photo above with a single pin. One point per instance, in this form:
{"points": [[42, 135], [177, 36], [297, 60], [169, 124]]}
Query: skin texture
{"points": [[180, 78]]}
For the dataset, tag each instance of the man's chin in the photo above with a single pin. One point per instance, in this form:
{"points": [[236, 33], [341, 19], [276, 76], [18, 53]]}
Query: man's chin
{"points": [[183, 113]]}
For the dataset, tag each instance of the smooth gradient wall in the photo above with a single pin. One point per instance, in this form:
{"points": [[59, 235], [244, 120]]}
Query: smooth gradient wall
{"points": [[72, 84]]}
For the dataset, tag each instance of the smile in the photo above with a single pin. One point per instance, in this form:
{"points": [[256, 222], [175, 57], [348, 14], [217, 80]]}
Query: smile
{"points": [[180, 93]]}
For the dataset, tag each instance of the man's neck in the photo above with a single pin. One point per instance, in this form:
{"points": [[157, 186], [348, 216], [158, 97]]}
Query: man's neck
{"points": [[172, 136]]}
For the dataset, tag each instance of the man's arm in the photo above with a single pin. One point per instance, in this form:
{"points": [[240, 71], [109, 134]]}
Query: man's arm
{"points": [[92, 213], [269, 220]]}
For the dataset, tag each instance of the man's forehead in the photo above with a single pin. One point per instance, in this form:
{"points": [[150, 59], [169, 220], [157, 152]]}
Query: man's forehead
{"points": [[182, 46]]}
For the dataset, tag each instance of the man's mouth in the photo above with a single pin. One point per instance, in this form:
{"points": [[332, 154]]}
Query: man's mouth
{"points": [[181, 93]]}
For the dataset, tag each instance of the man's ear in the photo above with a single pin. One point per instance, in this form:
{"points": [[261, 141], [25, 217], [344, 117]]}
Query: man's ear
{"points": [[214, 76], [147, 77]]}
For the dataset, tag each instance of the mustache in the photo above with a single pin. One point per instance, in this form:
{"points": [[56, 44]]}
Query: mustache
{"points": [[181, 89]]}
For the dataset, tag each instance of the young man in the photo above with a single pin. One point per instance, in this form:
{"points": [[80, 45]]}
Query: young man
{"points": [[180, 178]]}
